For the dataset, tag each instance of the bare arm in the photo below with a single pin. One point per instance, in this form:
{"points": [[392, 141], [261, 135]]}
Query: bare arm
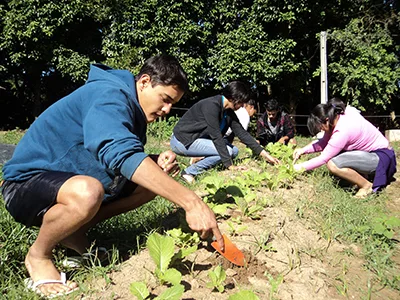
{"points": [[198, 215]]}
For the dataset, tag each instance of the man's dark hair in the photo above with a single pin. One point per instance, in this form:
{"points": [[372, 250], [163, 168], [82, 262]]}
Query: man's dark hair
{"points": [[237, 92], [165, 70], [272, 105]]}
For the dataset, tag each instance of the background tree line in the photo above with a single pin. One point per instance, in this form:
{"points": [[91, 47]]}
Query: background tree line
{"points": [[46, 48]]}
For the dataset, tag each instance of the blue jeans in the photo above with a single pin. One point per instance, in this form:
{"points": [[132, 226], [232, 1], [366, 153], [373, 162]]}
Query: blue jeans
{"points": [[201, 147]]}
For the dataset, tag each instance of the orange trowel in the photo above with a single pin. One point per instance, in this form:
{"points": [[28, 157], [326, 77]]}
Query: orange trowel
{"points": [[231, 252]]}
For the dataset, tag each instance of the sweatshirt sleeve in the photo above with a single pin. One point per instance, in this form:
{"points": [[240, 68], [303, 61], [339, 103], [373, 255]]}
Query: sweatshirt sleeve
{"points": [[335, 145], [317, 146], [110, 133]]}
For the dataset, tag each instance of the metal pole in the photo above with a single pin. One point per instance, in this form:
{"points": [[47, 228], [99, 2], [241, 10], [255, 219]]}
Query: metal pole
{"points": [[324, 72]]}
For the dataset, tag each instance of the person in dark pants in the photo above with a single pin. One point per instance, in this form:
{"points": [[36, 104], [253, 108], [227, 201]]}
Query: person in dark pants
{"points": [[200, 132], [275, 126], [82, 161]]}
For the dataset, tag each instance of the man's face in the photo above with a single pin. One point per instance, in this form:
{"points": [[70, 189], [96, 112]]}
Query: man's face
{"points": [[156, 101], [272, 114]]}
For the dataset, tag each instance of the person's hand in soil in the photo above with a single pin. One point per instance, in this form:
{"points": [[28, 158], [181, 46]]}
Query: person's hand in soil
{"points": [[201, 218], [269, 158]]}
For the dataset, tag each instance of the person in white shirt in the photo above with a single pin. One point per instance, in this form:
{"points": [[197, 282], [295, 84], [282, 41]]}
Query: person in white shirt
{"points": [[244, 114]]}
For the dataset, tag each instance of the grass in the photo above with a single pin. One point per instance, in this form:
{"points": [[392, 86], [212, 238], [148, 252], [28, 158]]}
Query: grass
{"points": [[339, 216], [334, 213]]}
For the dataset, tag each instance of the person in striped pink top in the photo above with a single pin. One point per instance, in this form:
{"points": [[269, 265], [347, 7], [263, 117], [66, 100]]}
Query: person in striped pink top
{"points": [[351, 146]]}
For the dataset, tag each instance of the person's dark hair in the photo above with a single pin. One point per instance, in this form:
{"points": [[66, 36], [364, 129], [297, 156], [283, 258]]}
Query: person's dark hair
{"points": [[272, 105], [237, 92], [165, 70], [252, 102], [322, 112]]}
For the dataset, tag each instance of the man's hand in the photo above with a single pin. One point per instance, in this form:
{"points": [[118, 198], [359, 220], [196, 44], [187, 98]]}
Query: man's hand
{"points": [[269, 158], [282, 140], [167, 162], [200, 218]]}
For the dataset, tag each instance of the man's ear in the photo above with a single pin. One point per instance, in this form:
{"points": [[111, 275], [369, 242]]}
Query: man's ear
{"points": [[144, 81]]}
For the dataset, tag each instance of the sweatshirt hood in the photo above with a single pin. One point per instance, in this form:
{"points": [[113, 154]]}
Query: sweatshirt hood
{"points": [[100, 72]]}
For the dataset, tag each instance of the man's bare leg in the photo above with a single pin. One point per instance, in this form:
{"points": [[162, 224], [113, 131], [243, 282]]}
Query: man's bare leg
{"points": [[78, 201], [78, 240]]}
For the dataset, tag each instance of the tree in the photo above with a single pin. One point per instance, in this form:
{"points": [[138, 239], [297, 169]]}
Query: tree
{"points": [[47, 47], [364, 68]]}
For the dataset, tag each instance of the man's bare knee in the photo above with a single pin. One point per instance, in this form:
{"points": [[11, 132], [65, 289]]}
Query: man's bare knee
{"points": [[83, 194]]}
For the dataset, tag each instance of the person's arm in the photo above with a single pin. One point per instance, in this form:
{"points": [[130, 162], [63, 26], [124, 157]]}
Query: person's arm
{"points": [[249, 141], [198, 215], [335, 145], [261, 135]]}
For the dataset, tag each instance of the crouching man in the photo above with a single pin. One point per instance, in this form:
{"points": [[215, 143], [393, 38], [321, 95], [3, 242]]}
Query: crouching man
{"points": [[82, 161]]}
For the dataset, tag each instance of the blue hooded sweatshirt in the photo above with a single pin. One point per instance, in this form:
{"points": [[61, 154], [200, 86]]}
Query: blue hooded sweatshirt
{"points": [[98, 130]]}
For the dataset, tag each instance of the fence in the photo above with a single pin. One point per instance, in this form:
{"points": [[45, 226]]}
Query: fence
{"points": [[383, 122]]}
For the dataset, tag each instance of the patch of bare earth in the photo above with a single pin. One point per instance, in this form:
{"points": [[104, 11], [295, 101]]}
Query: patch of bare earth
{"points": [[279, 243]]}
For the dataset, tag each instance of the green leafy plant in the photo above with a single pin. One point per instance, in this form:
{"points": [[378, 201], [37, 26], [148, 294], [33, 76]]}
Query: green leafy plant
{"points": [[281, 151], [217, 277], [140, 290], [161, 249], [173, 293], [262, 243], [385, 226], [244, 294], [187, 243], [234, 230], [162, 129], [274, 282]]}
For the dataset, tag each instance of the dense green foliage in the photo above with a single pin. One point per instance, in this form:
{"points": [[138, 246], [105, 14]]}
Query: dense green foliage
{"points": [[46, 48]]}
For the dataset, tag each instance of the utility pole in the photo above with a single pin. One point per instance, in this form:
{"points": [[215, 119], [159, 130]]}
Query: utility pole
{"points": [[324, 71]]}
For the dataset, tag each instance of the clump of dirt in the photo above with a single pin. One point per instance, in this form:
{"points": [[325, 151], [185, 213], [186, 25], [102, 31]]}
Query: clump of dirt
{"points": [[237, 274]]}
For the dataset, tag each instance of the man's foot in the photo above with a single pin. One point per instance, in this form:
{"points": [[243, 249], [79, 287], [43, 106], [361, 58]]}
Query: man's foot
{"points": [[194, 160], [43, 274]]}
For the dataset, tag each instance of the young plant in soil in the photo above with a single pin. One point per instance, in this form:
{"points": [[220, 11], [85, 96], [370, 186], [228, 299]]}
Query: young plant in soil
{"points": [[245, 294], [217, 277], [162, 250]]}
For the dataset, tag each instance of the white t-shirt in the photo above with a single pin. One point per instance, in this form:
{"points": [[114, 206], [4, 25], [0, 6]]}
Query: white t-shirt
{"points": [[243, 117]]}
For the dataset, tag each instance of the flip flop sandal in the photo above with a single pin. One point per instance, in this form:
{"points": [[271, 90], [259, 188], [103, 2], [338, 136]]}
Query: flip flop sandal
{"points": [[34, 286]]}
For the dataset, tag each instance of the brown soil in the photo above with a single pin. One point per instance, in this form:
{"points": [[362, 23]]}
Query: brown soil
{"points": [[312, 267]]}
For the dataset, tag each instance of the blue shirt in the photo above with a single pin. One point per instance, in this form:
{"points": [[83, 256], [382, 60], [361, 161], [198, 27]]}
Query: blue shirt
{"points": [[98, 130]]}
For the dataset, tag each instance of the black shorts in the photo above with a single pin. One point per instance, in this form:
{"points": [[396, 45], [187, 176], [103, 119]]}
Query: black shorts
{"points": [[29, 200]]}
